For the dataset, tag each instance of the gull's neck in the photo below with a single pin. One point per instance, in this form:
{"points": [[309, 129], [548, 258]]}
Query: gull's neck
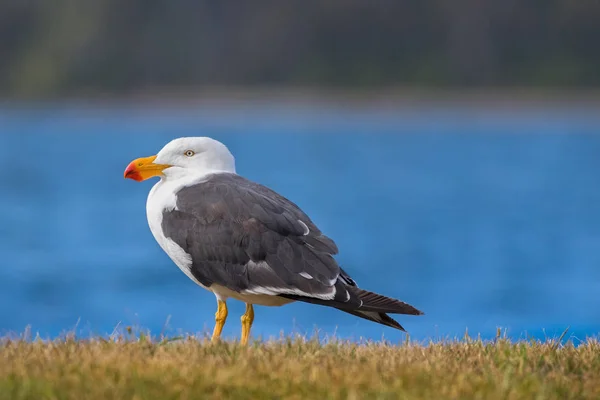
{"points": [[173, 180]]}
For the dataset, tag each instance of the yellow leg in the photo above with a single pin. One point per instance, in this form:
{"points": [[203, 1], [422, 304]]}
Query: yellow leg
{"points": [[220, 317], [247, 320]]}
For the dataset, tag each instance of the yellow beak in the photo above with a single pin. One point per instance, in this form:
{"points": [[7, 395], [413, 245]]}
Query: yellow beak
{"points": [[144, 168]]}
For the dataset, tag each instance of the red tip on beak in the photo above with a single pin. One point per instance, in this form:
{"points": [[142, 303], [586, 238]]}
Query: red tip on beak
{"points": [[132, 172]]}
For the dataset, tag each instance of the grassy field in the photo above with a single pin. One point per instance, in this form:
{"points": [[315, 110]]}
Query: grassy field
{"points": [[189, 368]]}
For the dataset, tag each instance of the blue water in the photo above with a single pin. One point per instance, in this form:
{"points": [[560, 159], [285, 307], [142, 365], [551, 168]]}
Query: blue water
{"points": [[481, 218]]}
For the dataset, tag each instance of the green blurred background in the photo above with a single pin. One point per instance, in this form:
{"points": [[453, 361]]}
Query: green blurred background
{"points": [[115, 47]]}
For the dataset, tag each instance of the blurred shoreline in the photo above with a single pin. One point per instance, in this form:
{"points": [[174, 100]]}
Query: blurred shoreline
{"points": [[321, 107], [297, 96]]}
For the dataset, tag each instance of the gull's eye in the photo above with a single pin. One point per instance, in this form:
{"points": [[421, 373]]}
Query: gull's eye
{"points": [[189, 153]]}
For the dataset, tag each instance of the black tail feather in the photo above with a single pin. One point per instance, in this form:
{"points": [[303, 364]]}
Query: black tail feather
{"points": [[378, 303], [364, 304], [380, 318]]}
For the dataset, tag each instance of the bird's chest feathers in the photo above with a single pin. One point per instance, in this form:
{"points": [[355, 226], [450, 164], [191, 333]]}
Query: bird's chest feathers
{"points": [[163, 198], [160, 199]]}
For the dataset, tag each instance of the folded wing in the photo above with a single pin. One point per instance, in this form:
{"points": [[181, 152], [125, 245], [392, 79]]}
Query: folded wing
{"points": [[250, 239]]}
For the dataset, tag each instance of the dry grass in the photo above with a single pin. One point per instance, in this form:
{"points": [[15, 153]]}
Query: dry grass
{"points": [[141, 368]]}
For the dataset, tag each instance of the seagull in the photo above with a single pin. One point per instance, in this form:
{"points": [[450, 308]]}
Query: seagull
{"points": [[243, 241]]}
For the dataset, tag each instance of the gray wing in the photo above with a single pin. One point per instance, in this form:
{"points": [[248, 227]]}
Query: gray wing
{"points": [[248, 238]]}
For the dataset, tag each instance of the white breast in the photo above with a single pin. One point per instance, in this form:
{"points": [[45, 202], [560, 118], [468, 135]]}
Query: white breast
{"points": [[162, 197]]}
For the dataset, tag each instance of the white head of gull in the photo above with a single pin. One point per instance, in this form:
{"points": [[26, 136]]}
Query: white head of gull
{"points": [[183, 157]]}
